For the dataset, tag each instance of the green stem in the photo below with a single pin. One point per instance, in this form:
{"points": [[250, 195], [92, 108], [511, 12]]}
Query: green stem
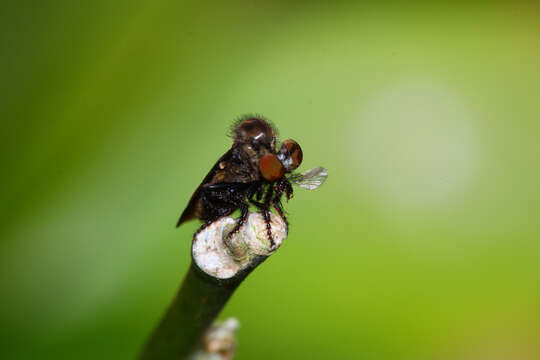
{"points": [[195, 307], [202, 296]]}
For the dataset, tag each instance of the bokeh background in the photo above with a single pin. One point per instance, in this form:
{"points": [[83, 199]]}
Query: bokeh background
{"points": [[423, 244]]}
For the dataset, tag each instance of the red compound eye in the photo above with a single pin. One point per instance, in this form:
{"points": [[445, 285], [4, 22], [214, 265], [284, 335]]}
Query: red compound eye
{"points": [[294, 151], [271, 168], [290, 154]]}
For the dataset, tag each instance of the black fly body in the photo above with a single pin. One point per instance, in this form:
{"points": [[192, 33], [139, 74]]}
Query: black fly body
{"points": [[251, 172]]}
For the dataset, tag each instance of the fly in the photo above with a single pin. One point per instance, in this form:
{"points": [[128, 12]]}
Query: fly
{"points": [[254, 173]]}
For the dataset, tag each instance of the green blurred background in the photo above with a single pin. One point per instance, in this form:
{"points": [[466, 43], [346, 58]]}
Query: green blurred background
{"points": [[423, 243]]}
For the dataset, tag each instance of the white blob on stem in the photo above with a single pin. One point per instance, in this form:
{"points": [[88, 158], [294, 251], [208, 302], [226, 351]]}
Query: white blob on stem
{"points": [[223, 258], [219, 341]]}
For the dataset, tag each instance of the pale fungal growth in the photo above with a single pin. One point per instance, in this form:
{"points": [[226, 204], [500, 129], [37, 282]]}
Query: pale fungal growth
{"points": [[218, 342], [223, 258]]}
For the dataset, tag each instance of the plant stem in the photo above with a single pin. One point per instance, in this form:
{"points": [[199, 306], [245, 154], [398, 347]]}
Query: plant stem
{"points": [[196, 305], [205, 291]]}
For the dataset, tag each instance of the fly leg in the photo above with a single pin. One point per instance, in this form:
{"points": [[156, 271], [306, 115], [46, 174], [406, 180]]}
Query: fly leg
{"points": [[203, 226], [209, 221], [282, 186], [264, 208], [219, 200], [281, 213], [244, 208], [258, 193], [266, 214], [233, 196]]}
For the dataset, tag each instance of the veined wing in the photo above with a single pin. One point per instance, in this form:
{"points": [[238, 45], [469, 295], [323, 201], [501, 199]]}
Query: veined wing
{"points": [[310, 179]]}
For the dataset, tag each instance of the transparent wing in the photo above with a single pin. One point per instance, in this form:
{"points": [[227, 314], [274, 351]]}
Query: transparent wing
{"points": [[310, 179]]}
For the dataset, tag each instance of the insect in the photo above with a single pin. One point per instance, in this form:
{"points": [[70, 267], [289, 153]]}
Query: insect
{"points": [[254, 173]]}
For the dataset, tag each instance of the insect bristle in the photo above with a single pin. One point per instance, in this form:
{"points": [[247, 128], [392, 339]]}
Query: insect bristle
{"points": [[232, 129]]}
